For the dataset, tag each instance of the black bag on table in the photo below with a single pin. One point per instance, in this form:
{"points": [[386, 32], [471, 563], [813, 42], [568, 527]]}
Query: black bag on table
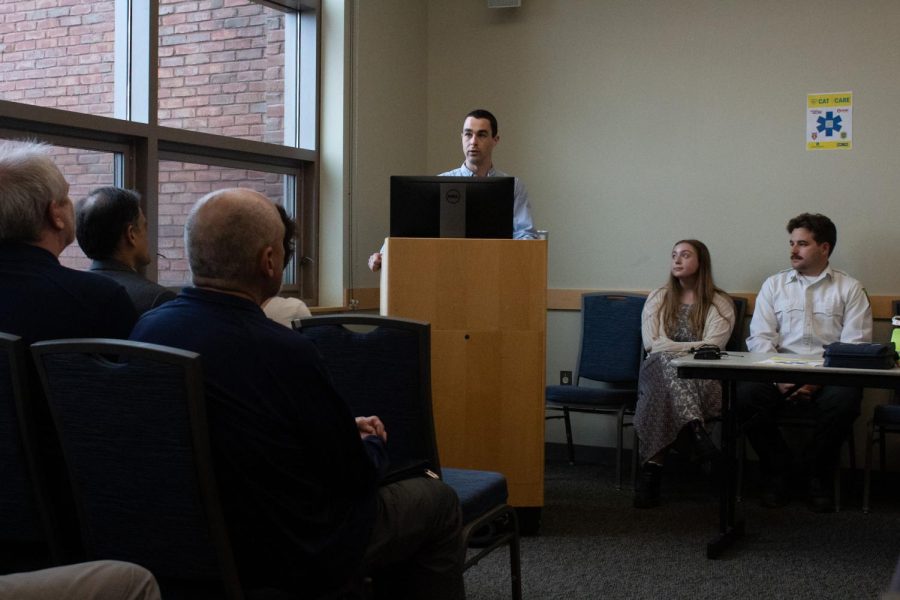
{"points": [[860, 356]]}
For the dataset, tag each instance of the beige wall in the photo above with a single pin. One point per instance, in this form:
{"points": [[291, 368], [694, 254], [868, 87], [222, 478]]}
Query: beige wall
{"points": [[635, 124], [390, 126]]}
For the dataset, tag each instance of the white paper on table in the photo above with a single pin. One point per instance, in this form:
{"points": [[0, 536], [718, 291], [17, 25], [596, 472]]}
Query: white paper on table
{"points": [[793, 360]]}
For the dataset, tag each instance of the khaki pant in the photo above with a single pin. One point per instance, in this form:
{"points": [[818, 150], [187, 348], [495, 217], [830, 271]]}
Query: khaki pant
{"points": [[99, 580]]}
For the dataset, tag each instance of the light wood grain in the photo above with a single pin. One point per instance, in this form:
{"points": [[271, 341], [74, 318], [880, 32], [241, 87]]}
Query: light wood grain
{"points": [[487, 304]]}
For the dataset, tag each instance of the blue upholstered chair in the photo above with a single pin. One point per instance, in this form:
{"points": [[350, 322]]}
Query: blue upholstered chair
{"points": [[382, 366], [132, 424], [610, 355], [885, 419], [26, 540]]}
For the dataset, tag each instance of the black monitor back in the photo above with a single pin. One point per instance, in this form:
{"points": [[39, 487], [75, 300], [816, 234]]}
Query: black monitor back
{"points": [[443, 206]]}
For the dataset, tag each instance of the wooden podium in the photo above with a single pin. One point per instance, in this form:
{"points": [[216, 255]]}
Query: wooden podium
{"points": [[486, 301]]}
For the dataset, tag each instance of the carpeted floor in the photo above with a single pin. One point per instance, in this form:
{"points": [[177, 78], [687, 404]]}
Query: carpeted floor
{"points": [[593, 544]]}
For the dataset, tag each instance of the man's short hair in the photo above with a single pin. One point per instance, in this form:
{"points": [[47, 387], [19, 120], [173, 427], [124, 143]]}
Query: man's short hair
{"points": [[823, 230], [226, 249], [103, 217], [480, 113], [29, 182], [290, 234]]}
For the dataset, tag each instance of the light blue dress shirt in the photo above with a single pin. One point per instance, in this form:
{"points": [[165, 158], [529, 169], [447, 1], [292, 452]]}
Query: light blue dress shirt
{"points": [[523, 227]]}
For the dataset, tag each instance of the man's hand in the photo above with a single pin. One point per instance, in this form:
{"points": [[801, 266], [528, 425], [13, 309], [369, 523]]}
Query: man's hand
{"points": [[375, 262], [801, 393], [371, 426]]}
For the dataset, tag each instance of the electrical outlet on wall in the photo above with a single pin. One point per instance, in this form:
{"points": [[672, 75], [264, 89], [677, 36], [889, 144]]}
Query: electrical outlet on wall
{"points": [[565, 378]]}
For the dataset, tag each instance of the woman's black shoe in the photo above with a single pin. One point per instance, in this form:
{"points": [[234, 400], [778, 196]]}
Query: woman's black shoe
{"points": [[646, 491], [703, 445]]}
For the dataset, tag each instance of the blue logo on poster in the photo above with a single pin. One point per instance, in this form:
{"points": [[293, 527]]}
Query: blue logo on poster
{"points": [[829, 123]]}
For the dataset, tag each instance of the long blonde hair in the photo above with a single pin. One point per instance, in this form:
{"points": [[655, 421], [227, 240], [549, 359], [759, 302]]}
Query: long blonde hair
{"points": [[705, 294]]}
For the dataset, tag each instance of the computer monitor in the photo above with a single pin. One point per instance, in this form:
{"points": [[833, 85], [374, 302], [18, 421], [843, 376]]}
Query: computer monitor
{"points": [[461, 207]]}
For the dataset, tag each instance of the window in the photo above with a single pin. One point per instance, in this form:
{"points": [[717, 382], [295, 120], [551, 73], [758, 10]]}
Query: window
{"points": [[221, 70], [172, 98], [59, 54], [180, 184]]}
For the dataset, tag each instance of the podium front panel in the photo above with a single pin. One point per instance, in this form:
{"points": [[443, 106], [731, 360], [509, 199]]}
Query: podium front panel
{"points": [[486, 301]]}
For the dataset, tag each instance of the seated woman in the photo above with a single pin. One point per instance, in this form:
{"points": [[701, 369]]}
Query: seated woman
{"points": [[685, 313]]}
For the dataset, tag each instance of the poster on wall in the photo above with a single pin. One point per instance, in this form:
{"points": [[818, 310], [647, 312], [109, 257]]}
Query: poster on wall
{"points": [[829, 121]]}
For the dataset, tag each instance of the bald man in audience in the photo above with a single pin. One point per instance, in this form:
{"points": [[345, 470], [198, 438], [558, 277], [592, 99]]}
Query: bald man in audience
{"points": [[298, 475]]}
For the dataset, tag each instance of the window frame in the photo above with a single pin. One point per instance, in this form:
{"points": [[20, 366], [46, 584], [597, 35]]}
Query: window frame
{"points": [[140, 145]]}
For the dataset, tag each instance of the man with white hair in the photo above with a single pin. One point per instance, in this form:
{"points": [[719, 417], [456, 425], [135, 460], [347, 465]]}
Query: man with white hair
{"points": [[42, 300], [298, 475], [39, 298]]}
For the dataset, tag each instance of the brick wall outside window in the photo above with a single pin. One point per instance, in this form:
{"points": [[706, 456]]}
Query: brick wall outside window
{"points": [[221, 71]]}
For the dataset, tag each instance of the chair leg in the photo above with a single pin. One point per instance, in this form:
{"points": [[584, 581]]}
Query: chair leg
{"points": [[882, 451], [851, 450], [619, 427], [837, 487], [870, 434], [515, 561], [635, 450], [569, 445], [741, 459]]}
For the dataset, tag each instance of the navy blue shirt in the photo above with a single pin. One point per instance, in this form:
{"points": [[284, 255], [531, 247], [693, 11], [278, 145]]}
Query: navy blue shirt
{"points": [[42, 300], [297, 484]]}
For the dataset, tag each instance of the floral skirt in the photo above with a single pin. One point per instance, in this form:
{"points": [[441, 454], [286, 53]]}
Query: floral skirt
{"points": [[666, 403]]}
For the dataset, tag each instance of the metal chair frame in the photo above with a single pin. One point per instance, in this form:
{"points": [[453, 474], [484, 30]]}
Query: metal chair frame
{"points": [[619, 410]]}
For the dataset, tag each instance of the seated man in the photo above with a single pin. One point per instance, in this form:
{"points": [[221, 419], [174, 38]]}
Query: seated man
{"points": [[298, 476], [799, 311], [279, 308], [42, 300], [39, 298], [112, 230]]}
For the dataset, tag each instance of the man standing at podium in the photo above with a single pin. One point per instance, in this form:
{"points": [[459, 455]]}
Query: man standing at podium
{"points": [[479, 137]]}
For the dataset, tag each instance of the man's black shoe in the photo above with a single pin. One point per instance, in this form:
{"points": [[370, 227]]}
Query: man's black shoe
{"points": [[646, 491], [774, 493], [820, 496]]}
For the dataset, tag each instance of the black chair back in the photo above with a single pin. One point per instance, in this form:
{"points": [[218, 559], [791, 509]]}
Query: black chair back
{"points": [[736, 341], [611, 346], [20, 519], [382, 366], [132, 425]]}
